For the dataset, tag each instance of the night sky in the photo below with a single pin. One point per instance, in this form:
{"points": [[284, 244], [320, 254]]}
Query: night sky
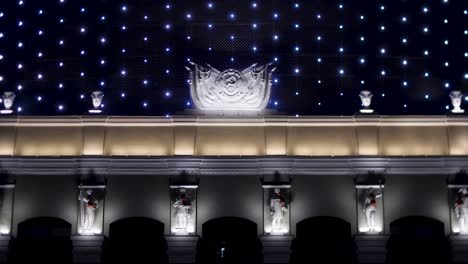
{"points": [[409, 53]]}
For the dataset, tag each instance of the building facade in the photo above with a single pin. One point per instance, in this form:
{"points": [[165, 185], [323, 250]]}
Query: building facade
{"points": [[184, 171]]}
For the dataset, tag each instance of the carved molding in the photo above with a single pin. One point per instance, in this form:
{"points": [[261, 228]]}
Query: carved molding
{"points": [[218, 166]]}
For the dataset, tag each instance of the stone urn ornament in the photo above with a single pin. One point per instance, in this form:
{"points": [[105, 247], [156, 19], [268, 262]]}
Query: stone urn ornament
{"points": [[366, 99], [96, 97], [8, 100], [456, 97]]}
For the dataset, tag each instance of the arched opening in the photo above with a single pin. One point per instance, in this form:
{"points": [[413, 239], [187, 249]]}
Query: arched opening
{"points": [[322, 239], [42, 240], [417, 239], [229, 240], [136, 240]]}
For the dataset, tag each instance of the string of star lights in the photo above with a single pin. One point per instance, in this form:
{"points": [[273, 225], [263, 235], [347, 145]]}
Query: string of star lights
{"points": [[411, 54]]}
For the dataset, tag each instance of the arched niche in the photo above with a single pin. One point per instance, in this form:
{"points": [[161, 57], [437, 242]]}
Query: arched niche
{"points": [[323, 239], [417, 239], [229, 240], [136, 240], [42, 240]]}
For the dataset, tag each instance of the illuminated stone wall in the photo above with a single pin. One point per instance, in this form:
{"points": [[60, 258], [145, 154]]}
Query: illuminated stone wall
{"points": [[318, 136]]}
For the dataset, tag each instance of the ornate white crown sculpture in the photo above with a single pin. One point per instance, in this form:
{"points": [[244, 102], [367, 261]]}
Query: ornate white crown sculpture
{"points": [[231, 89]]}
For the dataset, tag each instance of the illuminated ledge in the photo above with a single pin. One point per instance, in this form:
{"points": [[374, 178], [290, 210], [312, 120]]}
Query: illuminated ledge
{"points": [[363, 186], [159, 121], [109, 136]]}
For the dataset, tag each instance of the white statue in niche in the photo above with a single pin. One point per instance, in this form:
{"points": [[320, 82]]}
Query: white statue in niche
{"points": [[370, 208], [366, 99], [88, 208], [230, 89], [183, 209], [97, 97], [456, 97], [461, 210], [278, 207], [8, 100]]}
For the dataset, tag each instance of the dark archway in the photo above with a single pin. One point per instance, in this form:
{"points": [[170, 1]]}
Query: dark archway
{"points": [[417, 239], [42, 240], [136, 240], [323, 239], [229, 240]]}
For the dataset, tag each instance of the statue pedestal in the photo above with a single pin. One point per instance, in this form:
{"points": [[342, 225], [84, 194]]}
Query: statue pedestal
{"points": [[4, 245], [459, 248], [87, 249], [371, 248], [182, 249], [276, 249], [231, 113]]}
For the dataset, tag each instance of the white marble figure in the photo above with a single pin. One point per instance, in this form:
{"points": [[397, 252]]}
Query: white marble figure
{"points": [[370, 208], [97, 97], [278, 207], [230, 89], [366, 99], [8, 100], [182, 211], [88, 208], [456, 97], [461, 210]]}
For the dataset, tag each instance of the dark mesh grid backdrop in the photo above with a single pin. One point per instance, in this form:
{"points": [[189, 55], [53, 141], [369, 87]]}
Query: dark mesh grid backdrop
{"points": [[409, 53]]}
